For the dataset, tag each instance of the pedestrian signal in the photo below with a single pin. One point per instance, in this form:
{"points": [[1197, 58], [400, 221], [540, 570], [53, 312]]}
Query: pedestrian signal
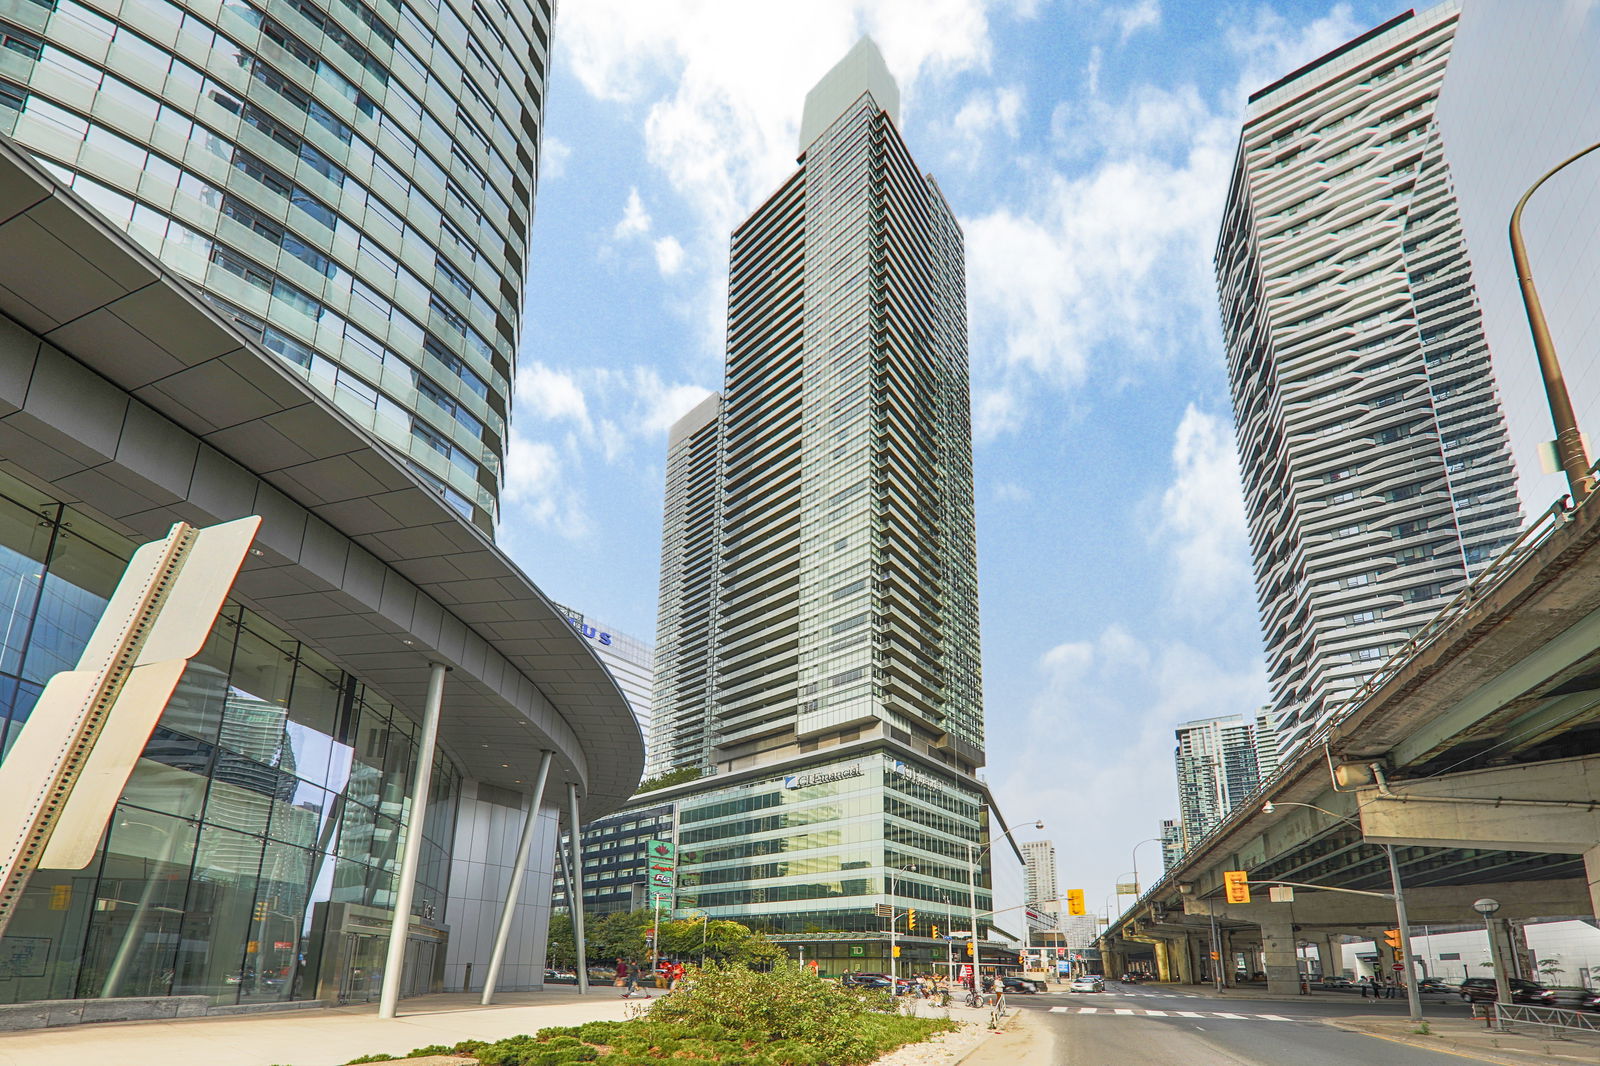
{"points": [[897, 951], [1237, 884], [1075, 901], [970, 950], [1392, 938]]}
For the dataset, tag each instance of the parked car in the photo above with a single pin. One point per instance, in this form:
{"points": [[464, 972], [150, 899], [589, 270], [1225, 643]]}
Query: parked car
{"points": [[1025, 985], [1482, 990], [1087, 984], [1337, 982], [867, 980]]}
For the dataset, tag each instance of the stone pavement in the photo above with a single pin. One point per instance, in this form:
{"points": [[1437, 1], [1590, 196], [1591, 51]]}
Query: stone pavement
{"points": [[330, 1037], [1525, 1046], [325, 1037]]}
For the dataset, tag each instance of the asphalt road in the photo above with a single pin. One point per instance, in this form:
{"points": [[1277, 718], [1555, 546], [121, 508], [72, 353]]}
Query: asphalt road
{"points": [[1134, 1026]]}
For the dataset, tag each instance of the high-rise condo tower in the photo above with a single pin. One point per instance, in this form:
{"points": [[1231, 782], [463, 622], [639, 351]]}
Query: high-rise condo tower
{"points": [[1376, 466]]}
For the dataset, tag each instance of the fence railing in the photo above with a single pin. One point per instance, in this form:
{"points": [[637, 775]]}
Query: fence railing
{"points": [[1560, 1021]]}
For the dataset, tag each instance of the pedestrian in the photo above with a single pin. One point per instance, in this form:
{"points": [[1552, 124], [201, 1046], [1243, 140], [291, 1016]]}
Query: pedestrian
{"points": [[622, 972], [632, 979], [1361, 982], [1391, 987]]}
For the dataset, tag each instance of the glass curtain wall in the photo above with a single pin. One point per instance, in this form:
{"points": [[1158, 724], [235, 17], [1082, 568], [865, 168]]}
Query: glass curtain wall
{"points": [[274, 781]]}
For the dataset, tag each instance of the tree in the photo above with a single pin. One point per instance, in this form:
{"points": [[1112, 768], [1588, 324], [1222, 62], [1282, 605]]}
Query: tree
{"points": [[1551, 967], [671, 777]]}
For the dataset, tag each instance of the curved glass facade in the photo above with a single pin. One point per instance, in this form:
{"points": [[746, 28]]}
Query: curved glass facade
{"points": [[351, 180], [274, 790]]}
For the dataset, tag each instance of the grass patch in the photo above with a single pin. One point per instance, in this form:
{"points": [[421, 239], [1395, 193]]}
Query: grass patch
{"points": [[727, 1016]]}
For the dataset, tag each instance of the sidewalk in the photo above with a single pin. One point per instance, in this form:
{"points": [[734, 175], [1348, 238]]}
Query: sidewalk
{"points": [[1460, 1036], [326, 1037]]}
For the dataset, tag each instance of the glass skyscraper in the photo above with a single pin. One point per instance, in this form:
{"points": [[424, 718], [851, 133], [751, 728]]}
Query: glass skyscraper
{"points": [[350, 180], [818, 654], [1376, 464], [265, 258]]}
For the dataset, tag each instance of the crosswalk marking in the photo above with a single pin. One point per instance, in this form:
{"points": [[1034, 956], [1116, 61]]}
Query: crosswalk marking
{"points": [[1126, 1012]]}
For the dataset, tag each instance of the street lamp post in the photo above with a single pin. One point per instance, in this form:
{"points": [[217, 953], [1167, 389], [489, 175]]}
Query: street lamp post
{"points": [[1498, 952], [1570, 450], [972, 892], [894, 974], [1136, 847], [1413, 997]]}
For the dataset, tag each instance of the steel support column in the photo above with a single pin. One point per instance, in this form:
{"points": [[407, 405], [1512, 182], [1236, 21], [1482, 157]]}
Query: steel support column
{"points": [[575, 887], [524, 848], [400, 925]]}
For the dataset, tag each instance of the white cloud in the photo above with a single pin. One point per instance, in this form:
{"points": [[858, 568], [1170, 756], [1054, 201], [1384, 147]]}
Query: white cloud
{"points": [[537, 489], [1201, 526], [1012, 492], [669, 256], [1143, 15], [1109, 250], [553, 156], [635, 221], [550, 394], [986, 113]]}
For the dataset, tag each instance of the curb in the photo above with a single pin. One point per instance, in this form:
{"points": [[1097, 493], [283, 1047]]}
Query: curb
{"points": [[1444, 1044]]}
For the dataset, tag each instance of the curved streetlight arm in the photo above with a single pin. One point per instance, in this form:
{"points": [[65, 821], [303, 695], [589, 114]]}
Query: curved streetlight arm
{"points": [[1570, 448]]}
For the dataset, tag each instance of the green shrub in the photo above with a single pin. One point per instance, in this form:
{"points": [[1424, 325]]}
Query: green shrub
{"points": [[431, 1049], [377, 1056]]}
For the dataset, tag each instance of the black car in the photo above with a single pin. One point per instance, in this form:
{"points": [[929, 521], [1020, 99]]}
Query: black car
{"points": [[867, 980], [1022, 984], [1434, 984], [1482, 990]]}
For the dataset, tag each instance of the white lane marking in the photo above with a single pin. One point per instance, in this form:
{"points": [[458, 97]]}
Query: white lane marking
{"points": [[1230, 1017], [1189, 1014], [1272, 1017], [1088, 1010], [1123, 1010], [1156, 1013]]}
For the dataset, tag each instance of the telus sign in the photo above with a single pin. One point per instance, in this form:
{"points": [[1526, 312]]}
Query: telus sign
{"points": [[590, 632]]}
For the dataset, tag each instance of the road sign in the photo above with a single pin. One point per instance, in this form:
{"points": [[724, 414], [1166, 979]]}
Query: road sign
{"points": [[1280, 894], [884, 910], [1398, 967]]}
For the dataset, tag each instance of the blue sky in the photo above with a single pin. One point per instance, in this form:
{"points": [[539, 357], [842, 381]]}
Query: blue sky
{"points": [[1086, 148]]}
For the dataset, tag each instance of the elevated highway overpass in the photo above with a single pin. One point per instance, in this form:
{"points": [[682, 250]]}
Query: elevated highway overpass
{"points": [[1485, 729]]}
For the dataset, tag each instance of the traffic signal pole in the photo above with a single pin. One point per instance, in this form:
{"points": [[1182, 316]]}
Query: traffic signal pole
{"points": [[1413, 996]]}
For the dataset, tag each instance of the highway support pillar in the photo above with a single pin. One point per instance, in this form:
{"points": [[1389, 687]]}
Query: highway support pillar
{"points": [[1182, 952], [1280, 961], [1550, 807], [1330, 955]]}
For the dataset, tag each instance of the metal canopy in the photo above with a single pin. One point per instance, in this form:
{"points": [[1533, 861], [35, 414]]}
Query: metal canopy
{"points": [[165, 412]]}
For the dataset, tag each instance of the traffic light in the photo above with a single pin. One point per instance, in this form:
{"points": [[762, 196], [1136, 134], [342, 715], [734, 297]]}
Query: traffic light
{"points": [[934, 932], [897, 951], [911, 919], [261, 910], [1392, 938], [1237, 884], [1075, 901]]}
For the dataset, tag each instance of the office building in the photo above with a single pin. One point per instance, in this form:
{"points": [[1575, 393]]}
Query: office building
{"points": [[1039, 858], [260, 262], [818, 635], [1216, 763], [632, 663], [615, 864], [1172, 846], [1375, 460], [351, 183]]}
